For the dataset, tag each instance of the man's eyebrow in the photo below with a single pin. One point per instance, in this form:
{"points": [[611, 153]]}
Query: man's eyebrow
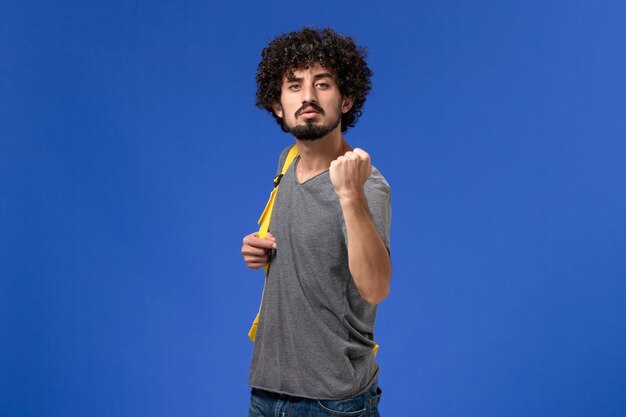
{"points": [[293, 78], [323, 75]]}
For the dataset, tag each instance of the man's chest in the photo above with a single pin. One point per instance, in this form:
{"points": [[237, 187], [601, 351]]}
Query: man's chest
{"points": [[308, 218]]}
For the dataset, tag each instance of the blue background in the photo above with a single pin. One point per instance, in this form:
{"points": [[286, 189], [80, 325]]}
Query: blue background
{"points": [[133, 161]]}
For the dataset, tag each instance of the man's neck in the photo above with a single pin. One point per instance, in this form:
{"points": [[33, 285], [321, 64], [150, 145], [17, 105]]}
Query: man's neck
{"points": [[316, 155]]}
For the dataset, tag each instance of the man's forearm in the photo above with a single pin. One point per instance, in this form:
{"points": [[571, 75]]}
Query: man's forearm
{"points": [[368, 258]]}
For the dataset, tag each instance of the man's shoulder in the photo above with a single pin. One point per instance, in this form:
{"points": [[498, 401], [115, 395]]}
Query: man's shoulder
{"points": [[376, 181], [282, 158]]}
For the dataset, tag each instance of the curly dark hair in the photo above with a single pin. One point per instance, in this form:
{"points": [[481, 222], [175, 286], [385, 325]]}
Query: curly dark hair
{"points": [[304, 48]]}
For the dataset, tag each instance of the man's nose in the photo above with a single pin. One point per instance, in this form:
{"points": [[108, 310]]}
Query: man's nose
{"points": [[309, 94]]}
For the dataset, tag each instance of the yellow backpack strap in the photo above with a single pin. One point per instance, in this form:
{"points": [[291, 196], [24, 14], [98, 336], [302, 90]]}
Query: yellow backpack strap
{"points": [[264, 222]]}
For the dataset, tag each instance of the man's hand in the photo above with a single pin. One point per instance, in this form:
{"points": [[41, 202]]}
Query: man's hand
{"points": [[256, 251], [349, 172]]}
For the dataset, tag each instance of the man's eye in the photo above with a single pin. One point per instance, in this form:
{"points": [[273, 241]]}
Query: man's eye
{"points": [[322, 85], [294, 87]]}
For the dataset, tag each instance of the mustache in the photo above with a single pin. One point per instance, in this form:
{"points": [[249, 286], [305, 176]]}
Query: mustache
{"points": [[314, 106]]}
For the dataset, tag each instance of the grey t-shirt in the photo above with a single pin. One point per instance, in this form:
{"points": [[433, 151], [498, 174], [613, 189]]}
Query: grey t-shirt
{"points": [[316, 333]]}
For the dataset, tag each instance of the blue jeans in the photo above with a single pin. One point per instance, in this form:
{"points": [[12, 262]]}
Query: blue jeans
{"points": [[269, 404]]}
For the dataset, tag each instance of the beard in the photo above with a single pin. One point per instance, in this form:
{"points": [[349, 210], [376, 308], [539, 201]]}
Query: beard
{"points": [[312, 130]]}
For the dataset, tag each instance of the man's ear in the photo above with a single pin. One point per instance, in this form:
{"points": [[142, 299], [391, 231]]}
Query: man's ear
{"points": [[278, 109], [346, 103]]}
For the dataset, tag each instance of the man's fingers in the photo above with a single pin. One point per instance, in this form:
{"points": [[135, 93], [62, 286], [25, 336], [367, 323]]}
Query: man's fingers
{"points": [[255, 262], [256, 265], [361, 153], [256, 251], [248, 250], [350, 155], [254, 241]]}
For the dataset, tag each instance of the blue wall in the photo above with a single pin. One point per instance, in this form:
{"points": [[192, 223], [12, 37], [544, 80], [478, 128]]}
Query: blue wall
{"points": [[133, 161]]}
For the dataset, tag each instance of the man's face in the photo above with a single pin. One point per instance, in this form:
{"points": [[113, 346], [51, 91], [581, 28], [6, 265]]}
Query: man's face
{"points": [[311, 104]]}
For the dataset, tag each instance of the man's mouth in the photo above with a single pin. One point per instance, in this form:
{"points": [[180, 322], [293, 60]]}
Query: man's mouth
{"points": [[309, 112]]}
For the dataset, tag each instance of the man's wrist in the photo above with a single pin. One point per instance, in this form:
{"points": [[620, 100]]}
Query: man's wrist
{"points": [[352, 199]]}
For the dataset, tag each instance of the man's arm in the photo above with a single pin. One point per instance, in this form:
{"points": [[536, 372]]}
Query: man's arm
{"points": [[368, 258]]}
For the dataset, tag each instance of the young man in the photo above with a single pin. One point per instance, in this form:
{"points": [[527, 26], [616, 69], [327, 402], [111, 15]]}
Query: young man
{"points": [[328, 246]]}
